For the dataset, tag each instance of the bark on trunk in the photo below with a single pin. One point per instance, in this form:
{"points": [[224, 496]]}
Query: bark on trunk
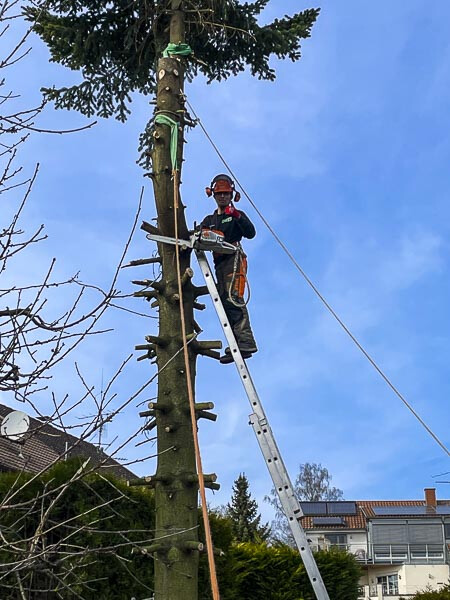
{"points": [[176, 490]]}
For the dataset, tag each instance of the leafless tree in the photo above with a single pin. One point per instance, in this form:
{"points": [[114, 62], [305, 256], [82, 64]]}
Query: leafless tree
{"points": [[39, 554]]}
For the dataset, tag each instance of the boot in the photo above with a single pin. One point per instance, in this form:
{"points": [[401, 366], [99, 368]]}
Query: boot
{"points": [[228, 358]]}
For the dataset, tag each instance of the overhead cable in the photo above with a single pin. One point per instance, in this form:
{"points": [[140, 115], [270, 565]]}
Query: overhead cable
{"points": [[314, 287]]}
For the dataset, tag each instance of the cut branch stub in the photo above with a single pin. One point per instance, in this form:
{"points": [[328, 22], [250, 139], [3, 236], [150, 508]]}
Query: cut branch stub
{"points": [[158, 341], [147, 356], [187, 276], [201, 290], [207, 477], [144, 282], [151, 425], [204, 405], [145, 347], [203, 414], [208, 344], [159, 406], [142, 261], [148, 294], [206, 352], [199, 306], [149, 228], [191, 546], [147, 413]]}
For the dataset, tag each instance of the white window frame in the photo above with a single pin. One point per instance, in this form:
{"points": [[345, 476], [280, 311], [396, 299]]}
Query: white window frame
{"points": [[389, 584]]}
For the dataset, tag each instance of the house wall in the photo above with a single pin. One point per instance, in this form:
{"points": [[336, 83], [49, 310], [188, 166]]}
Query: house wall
{"points": [[416, 577], [357, 541], [411, 579]]}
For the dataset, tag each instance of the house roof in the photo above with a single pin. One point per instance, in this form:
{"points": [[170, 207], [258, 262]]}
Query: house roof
{"points": [[365, 511], [45, 444]]}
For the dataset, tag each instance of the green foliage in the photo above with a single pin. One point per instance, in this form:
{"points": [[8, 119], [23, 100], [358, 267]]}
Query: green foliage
{"points": [[243, 514], [116, 44], [277, 572], [85, 539], [222, 535], [442, 594]]}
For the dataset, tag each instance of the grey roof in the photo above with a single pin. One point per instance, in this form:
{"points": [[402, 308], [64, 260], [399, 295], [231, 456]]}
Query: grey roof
{"points": [[45, 444]]}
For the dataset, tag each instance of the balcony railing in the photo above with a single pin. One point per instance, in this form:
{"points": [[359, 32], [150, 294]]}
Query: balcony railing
{"points": [[393, 553], [408, 553]]}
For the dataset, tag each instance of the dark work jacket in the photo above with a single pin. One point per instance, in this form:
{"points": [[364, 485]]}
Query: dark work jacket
{"points": [[233, 229]]}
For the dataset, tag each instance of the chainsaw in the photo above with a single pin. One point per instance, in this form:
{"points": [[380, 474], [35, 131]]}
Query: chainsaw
{"points": [[202, 239]]}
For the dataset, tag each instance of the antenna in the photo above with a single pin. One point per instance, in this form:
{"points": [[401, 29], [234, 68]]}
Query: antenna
{"points": [[15, 425]]}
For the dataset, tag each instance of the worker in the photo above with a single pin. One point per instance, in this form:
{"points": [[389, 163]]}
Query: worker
{"points": [[231, 269]]}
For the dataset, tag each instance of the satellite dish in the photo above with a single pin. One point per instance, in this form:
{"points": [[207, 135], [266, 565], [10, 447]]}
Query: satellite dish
{"points": [[15, 425]]}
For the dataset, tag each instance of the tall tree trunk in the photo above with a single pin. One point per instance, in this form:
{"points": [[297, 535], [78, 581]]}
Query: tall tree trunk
{"points": [[176, 489]]}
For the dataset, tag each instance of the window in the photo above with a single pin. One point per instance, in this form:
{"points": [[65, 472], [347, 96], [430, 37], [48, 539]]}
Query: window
{"points": [[337, 540], [447, 531], [390, 584]]}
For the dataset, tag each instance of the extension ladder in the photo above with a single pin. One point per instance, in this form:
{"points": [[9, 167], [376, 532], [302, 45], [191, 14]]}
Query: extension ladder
{"points": [[266, 439]]}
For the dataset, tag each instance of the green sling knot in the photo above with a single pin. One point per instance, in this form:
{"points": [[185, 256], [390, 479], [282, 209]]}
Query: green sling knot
{"points": [[177, 49], [165, 120]]}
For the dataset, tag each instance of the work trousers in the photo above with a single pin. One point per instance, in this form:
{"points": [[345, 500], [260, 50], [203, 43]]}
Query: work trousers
{"points": [[236, 311]]}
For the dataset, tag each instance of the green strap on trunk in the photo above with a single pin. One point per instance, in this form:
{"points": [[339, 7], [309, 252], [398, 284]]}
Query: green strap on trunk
{"points": [[173, 50], [165, 120], [177, 50]]}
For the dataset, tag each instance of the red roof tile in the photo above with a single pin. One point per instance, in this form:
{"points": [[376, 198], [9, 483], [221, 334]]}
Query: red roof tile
{"points": [[44, 444]]}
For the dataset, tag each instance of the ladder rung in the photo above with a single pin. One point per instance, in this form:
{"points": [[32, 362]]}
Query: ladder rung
{"points": [[266, 441]]}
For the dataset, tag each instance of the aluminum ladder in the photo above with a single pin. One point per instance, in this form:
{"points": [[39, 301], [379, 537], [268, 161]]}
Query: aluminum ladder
{"points": [[266, 440]]}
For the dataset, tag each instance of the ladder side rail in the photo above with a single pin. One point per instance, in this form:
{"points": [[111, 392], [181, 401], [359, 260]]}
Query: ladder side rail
{"points": [[277, 468], [291, 506], [266, 441]]}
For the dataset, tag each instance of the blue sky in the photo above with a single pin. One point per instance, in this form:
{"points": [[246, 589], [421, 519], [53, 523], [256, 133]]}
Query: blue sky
{"points": [[347, 156]]}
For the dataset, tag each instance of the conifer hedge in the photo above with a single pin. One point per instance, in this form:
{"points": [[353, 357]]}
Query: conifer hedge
{"points": [[277, 572], [82, 543], [246, 571], [442, 594]]}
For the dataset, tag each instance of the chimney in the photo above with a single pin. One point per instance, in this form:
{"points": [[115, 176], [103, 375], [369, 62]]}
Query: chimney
{"points": [[430, 497]]}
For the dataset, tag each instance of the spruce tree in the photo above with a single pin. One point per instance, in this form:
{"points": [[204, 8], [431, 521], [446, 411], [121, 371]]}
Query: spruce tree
{"points": [[117, 46], [243, 513]]}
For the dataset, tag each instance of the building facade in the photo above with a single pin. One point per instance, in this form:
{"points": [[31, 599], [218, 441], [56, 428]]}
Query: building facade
{"points": [[403, 546]]}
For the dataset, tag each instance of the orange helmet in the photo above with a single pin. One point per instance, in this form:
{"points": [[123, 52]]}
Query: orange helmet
{"points": [[222, 183]]}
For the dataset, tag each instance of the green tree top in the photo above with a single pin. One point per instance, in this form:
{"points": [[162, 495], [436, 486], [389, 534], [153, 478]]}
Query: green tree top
{"points": [[115, 45], [243, 513]]}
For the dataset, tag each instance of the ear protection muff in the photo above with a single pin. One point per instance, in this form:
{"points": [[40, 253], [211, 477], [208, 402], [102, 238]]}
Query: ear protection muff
{"points": [[223, 183]]}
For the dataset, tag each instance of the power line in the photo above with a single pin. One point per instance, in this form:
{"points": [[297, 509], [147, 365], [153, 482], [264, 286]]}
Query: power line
{"points": [[315, 289]]}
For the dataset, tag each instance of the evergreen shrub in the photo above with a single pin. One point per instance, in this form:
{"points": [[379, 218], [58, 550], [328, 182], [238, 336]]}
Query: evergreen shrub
{"points": [[442, 594]]}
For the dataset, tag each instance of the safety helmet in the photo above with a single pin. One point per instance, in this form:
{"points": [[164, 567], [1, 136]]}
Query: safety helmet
{"points": [[222, 183]]}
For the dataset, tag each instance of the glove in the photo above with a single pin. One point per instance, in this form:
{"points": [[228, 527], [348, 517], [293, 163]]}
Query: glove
{"points": [[230, 210]]}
